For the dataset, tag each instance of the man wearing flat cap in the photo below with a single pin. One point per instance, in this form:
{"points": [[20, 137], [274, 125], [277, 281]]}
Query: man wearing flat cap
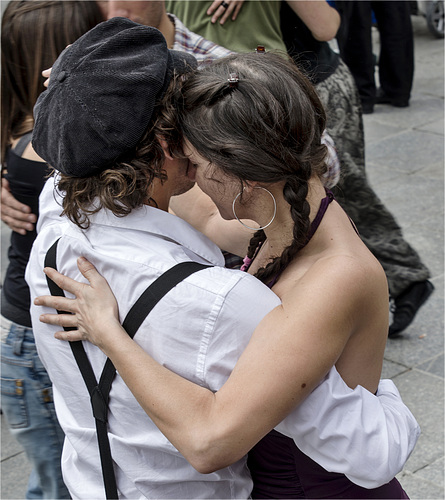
{"points": [[98, 125]]}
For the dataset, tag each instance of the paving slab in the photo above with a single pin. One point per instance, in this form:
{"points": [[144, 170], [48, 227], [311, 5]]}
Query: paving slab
{"points": [[404, 152], [424, 395], [434, 365], [15, 468], [419, 489]]}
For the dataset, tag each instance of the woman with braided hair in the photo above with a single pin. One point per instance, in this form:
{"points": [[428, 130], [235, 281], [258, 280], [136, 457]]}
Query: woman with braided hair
{"points": [[251, 128], [261, 145]]}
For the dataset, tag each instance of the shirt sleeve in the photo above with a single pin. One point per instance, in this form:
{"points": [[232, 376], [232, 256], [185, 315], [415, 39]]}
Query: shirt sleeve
{"points": [[232, 323], [354, 432]]}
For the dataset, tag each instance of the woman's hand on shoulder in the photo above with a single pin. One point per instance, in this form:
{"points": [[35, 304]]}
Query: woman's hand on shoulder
{"points": [[92, 315]]}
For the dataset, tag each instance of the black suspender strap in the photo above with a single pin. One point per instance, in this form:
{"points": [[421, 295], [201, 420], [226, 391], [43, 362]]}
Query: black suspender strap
{"points": [[99, 393]]}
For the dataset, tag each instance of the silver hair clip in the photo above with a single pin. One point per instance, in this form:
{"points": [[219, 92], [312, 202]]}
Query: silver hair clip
{"points": [[233, 80], [260, 49]]}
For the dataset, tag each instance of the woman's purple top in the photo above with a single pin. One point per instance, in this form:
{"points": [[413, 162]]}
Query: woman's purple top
{"points": [[280, 470]]}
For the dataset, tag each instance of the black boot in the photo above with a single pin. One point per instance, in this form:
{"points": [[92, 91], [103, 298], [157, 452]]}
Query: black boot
{"points": [[407, 304]]}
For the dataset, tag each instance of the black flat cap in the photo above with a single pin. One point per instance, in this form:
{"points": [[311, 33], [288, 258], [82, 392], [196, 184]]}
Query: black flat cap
{"points": [[101, 96]]}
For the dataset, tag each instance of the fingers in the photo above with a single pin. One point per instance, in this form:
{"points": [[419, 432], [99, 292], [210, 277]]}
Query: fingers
{"points": [[16, 224], [218, 9], [70, 336], [237, 9], [215, 5], [8, 200], [224, 9], [46, 74], [98, 290], [72, 286], [57, 303], [63, 320], [221, 12], [67, 284], [15, 214], [89, 272]]}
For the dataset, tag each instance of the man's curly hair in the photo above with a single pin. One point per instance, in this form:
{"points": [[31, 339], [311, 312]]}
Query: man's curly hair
{"points": [[127, 184]]}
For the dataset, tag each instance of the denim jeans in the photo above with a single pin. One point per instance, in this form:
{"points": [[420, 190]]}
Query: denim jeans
{"points": [[27, 404]]}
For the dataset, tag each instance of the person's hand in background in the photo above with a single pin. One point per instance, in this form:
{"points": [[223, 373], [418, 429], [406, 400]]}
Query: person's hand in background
{"points": [[224, 10]]}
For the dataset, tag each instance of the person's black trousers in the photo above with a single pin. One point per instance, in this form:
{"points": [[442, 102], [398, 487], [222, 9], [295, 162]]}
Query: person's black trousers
{"points": [[396, 61]]}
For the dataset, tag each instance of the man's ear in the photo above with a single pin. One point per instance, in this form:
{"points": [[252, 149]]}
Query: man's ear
{"points": [[164, 147]]}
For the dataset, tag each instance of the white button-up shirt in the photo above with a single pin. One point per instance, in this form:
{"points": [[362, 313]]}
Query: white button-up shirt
{"points": [[198, 330]]}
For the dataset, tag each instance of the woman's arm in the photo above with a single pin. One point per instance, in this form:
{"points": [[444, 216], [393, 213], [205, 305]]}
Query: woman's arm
{"points": [[198, 209], [281, 364], [212, 430], [353, 431], [322, 19]]}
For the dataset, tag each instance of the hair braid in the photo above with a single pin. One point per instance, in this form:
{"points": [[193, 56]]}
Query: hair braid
{"points": [[256, 239], [295, 193]]}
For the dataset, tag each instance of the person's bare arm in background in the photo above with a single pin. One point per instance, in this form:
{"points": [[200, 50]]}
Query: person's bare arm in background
{"points": [[322, 19], [198, 209]]}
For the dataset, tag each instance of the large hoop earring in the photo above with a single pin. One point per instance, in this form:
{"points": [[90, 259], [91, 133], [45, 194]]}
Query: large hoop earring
{"points": [[256, 228]]}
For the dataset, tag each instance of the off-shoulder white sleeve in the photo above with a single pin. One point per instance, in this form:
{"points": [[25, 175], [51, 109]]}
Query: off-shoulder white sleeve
{"points": [[367, 437]]}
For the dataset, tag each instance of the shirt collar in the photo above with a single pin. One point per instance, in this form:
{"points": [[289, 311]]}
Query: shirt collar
{"points": [[164, 225]]}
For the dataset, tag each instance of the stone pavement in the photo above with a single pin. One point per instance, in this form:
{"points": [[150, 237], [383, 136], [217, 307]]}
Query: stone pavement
{"points": [[405, 163]]}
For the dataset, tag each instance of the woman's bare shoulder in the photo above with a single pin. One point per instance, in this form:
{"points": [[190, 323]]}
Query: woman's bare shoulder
{"points": [[333, 271], [337, 291]]}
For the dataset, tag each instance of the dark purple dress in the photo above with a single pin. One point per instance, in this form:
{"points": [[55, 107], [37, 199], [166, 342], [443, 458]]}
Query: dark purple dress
{"points": [[280, 470]]}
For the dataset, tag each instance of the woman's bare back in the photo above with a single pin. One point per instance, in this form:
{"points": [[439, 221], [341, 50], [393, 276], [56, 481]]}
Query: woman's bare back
{"points": [[343, 287]]}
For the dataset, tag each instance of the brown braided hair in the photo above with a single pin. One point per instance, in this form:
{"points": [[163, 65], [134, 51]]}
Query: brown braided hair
{"points": [[267, 128]]}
